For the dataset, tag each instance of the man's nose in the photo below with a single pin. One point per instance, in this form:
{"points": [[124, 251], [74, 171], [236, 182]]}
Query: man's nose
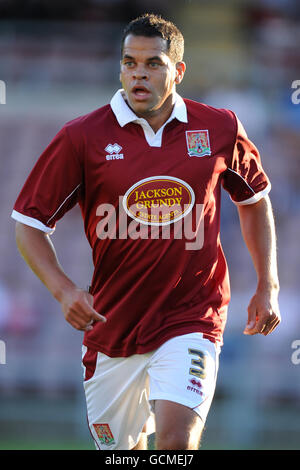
{"points": [[140, 73]]}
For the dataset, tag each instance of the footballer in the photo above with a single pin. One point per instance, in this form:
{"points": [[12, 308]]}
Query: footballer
{"points": [[142, 168]]}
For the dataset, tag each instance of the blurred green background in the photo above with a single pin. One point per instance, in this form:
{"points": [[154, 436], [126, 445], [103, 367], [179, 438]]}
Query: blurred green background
{"points": [[60, 59]]}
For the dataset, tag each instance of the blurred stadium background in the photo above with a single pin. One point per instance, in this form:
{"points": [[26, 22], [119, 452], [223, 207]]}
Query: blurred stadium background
{"points": [[60, 59]]}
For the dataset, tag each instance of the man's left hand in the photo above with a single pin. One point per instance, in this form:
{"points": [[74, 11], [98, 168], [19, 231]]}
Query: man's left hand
{"points": [[263, 312]]}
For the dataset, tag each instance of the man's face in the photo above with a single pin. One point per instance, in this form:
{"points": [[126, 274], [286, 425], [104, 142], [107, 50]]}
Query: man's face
{"points": [[147, 73]]}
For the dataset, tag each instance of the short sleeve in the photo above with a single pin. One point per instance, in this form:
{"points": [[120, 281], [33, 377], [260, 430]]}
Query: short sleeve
{"points": [[53, 187], [245, 180]]}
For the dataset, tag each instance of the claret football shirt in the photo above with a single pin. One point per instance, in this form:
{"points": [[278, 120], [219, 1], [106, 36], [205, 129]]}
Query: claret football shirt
{"points": [[150, 204]]}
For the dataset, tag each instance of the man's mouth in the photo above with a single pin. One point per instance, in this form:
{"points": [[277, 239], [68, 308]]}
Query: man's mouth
{"points": [[140, 92]]}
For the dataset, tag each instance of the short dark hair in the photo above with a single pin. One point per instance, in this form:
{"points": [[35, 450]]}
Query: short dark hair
{"points": [[151, 25]]}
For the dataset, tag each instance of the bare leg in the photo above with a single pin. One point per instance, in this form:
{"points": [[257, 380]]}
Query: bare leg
{"points": [[177, 426]]}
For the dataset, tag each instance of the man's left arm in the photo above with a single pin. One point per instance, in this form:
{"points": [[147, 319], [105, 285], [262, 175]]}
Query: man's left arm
{"points": [[258, 230]]}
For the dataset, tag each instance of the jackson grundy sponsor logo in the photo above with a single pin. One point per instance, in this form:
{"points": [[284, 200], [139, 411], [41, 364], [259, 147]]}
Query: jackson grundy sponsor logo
{"points": [[154, 205], [159, 200]]}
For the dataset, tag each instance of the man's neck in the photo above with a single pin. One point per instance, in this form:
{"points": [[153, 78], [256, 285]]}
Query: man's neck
{"points": [[157, 118]]}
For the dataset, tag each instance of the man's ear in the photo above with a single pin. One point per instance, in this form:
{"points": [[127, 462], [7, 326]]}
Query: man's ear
{"points": [[180, 70], [120, 71]]}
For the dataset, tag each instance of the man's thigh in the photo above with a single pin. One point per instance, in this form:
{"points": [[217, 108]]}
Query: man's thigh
{"points": [[177, 426]]}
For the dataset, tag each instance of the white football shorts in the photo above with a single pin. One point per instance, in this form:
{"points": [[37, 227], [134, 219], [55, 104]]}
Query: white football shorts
{"points": [[120, 392]]}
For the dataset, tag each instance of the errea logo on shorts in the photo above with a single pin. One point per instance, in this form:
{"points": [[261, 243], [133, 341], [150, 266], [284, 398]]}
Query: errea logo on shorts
{"points": [[114, 152]]}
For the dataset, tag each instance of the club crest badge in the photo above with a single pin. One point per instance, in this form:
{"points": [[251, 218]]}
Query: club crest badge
{"points": [[104, 434], [198, 143]]}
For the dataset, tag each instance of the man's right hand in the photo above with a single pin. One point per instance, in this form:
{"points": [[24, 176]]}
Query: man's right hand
{"points": [[39, 253], [77, 306]]}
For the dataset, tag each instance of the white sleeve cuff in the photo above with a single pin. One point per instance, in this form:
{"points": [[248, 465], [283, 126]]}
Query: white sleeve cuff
{"points": [[253, 199], [24, 219]]}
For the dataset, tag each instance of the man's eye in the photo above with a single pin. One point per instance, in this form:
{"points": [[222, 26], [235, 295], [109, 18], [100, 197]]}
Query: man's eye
{"points": [[128, 64], [153, 65]]}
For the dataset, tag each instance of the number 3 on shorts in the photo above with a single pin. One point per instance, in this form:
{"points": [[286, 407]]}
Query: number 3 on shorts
{"points": [[200, 363]]}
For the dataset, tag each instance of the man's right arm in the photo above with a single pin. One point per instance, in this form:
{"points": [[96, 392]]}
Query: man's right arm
{"points": [[39, 253]]}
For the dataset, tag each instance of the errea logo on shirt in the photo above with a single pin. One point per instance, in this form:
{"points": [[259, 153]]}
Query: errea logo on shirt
{"points": [[114, 152]]}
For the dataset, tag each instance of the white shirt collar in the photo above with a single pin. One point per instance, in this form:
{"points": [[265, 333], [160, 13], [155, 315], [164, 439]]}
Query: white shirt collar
{"points": [[124, 114]]}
